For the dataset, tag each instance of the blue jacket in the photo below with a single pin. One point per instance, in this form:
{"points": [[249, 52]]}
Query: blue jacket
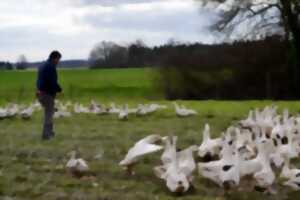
{"points": [[47, 79]]}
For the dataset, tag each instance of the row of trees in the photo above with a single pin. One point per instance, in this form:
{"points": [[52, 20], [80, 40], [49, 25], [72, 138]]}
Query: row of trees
{"points": [[241, 70], [238, 70], [21, 64], [112, 55], [6, 66], [262, 18]]}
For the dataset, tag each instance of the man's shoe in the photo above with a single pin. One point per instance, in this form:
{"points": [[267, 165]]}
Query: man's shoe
{"points": [[48, 137], [53, 134]]}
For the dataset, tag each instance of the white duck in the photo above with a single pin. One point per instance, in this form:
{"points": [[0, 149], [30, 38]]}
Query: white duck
{"points": [[76, 166], [143, 147], [209, 146], [182, 111]]}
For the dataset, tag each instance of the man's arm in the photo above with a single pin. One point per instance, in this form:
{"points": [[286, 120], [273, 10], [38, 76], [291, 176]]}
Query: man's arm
{"points": [[58, 87], [51, 81]]}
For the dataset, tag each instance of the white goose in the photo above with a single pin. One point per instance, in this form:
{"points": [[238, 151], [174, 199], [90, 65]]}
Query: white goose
{"points": [[96, 108], [265, 178], [284, 151], [293, 183], [176, 180], [230, 174], [124, 114], [155, 106], [3, 113], [181, 111], [252, 166], [210, 147], [186, 161], [170, 148], [12, 110], [27, 113], [79, 108], [215, 170], [113, 109], [166, 157], [61, 114], [249, 122], [36, 106], [76, 166], [143, 147], [62, 111], [244, 143], [287, 172], [142, 110]]}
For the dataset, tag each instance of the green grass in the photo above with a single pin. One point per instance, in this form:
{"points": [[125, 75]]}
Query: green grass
{"points": [[111, 84], [32, 169]]}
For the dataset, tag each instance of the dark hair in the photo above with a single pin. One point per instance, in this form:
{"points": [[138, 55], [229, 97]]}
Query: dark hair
{"points": [[54, 55]]}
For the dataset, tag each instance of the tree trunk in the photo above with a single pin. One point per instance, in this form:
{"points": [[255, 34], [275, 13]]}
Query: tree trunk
{"points": [[291, 20]]}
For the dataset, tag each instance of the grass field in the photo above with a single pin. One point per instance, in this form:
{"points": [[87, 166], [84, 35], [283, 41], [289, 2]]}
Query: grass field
{"points": [[117, 85], [32, 169]]}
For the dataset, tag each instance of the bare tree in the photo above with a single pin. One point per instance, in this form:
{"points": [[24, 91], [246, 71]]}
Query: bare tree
{"points": [[22, 63], [108, 54], [255, 19]]}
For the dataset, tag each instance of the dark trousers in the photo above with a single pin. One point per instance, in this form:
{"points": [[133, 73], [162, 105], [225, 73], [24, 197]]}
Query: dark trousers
{"points": [[47, 102]]}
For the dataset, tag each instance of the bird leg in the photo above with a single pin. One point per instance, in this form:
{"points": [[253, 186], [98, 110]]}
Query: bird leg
{"points": [[129, 169]]}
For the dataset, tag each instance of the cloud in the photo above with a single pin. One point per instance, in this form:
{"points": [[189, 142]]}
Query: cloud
{"points": [[117, 2], [34, 27]]}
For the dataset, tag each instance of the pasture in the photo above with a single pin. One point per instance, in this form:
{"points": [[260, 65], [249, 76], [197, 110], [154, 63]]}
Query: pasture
{"points": [[32, 169], [81, 85]]}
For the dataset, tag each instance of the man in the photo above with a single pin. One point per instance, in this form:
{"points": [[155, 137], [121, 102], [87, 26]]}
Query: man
{"points": [[47, 88]]}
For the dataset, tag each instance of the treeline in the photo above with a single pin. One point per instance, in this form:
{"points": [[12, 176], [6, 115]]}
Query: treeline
{"points": [[22, 64], [240, 70], [6, 66]]}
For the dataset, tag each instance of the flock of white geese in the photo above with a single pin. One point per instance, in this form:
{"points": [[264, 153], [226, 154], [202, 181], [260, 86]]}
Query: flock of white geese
{"points": [[258, 150], [68, 109]]}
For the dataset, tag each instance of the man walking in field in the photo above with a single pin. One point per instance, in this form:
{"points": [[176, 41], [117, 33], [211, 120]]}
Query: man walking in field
{"points": [[47, 88]]}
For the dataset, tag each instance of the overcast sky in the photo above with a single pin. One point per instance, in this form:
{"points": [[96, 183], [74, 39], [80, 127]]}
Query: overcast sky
{"points": [[35, 27]]}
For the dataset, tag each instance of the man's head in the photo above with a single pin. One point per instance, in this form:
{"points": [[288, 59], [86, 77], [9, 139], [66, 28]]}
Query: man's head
{"points": [[55, 57]]}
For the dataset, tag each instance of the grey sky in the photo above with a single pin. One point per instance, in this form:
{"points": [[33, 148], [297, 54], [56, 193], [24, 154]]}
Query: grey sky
{"points": [[35, 27]]}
